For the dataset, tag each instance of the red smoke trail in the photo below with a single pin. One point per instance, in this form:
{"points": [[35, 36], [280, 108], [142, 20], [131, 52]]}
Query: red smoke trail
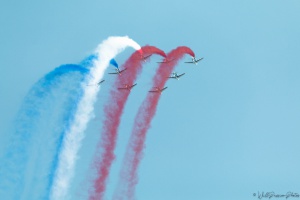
{"points": [[113, 112], [128, 176]]}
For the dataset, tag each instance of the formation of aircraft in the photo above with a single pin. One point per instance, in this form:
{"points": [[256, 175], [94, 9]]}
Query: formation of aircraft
{"points": [[194, 61], [176, 76], [118, 71], [155, 89], [127, 87], [158, 90]]}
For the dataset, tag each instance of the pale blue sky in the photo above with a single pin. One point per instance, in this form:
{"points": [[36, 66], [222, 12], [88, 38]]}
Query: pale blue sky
{"points": [[228, 128]]}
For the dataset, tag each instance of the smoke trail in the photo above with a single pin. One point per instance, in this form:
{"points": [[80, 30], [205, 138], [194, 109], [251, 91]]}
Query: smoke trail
{"points": [[15, 161], [114, 63], [113, 111], [107, 50], [147, 110], [70, 107]]}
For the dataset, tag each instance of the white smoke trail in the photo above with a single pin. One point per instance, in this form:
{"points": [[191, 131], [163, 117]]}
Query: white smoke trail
{"points": [[107, 50]]}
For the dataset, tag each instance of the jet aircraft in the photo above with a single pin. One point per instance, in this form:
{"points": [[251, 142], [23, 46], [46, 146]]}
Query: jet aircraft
{"points": [[158, 90], [194, 61], [127, 87], [118, 71], [176, 76]]}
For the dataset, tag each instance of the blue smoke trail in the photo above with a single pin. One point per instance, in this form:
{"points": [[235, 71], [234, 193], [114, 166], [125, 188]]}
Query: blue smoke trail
{"points": [[88, 62], [114, 63], [67, 120], [14, 163]]}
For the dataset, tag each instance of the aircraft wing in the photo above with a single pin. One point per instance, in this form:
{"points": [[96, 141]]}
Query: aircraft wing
{"points": [[181, 75], [145, 57], [163, 89], [122, 70], [153, 91], [171, 77], [166, 61], [188, 62], [199, 59], [113, 73], [132, 86]]}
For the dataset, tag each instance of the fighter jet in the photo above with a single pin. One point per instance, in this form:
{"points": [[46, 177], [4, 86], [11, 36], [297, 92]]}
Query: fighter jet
{"points": [[194, 61], [158, 90], [176, 76], [127, 87], [118, 71]]}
